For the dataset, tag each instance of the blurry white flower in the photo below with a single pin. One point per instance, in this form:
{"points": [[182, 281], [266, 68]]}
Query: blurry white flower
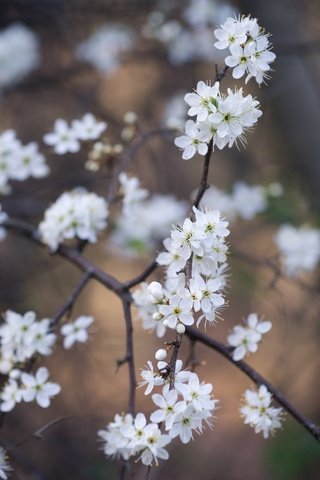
{"points": [[19, 162], [76, 331], [19, 54], [63, 138], [104, 48], [88, 127], [246, 339], [299, 248]]}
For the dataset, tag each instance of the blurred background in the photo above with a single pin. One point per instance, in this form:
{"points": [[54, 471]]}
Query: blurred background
{"points": [[108, 58]]}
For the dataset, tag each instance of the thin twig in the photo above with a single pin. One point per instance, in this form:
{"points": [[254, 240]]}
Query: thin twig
{"points": [[38, 434], [68, 305], [126, 303]]}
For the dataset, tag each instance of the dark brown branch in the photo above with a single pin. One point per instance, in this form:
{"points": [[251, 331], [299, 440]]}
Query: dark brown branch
{"points": [[198, 336], [67, 306], [126, 303], [69, 253], [204, 180]]}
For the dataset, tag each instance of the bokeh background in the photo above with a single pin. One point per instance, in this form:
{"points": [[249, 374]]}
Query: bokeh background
{"points": [[285, 147]]}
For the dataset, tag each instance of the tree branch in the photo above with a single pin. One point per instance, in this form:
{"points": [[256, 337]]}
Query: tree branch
{"points": [[68, 305], [197, 335]]}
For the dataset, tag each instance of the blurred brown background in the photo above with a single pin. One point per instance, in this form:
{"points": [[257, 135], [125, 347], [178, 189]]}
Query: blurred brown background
{"points": [[285, 147]]}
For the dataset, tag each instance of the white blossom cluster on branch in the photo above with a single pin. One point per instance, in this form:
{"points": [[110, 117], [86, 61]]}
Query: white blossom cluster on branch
{"points": [[183, 410], [19, 54], [258, 412], [22, 337], [19, 162], [189, 38], [138, 229], [220, 118], [249, 48], [76, 214], [246, 339], [67, 138]]}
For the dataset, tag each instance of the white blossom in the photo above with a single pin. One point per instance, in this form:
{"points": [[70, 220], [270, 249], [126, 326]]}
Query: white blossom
{"points": [[10, 395], [169, 407], [193, 141], [64, 139], [104, 49], [202, 99], [19, 54], [35, 387], [21, 336], [4, 465], [88, 127], [76, 331], [116, 443], [74, 214], [246, 339], [131, 192], [150, 378], [299, 248], [249, 47], [258, 412], [18, 161]]}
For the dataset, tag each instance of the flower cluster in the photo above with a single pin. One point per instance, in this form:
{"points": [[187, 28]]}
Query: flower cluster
{"points": [[190, 39], [21, 336], [4, 465], [245, 339], [181, 411], [299, 248], [258, 412], [249, 47], [104, 48], [77, 214], [19, 54], [19, 162], [244, 201], [138, 229], [220, 119], [174, 304], [25, 387], [65, 138]]}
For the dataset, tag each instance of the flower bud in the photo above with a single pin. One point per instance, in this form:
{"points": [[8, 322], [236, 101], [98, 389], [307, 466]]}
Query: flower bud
{"points": [[155, 290], [130, 117], [180, 328], [156, 316], [161, 354]]}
